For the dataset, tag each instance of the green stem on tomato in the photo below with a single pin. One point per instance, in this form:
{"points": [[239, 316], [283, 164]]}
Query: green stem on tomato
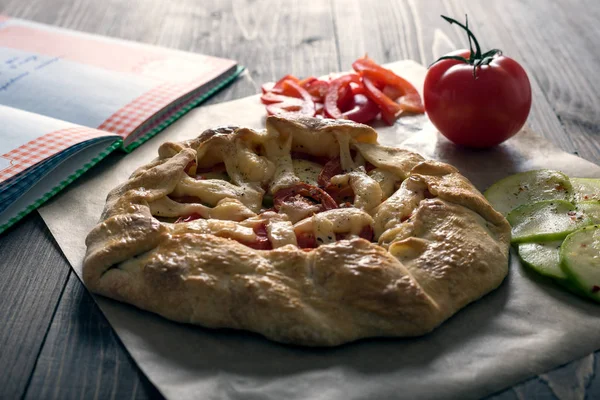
{"points": [[469, 36], [476, 59]]}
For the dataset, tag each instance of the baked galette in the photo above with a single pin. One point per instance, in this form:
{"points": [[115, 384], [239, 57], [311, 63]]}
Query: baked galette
{"points": [[308, 232]]}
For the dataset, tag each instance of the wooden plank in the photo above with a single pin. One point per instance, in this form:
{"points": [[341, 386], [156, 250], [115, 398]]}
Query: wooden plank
{"points": [[390, 31], [33, 275], [271, 39], [83, 358], [566, 61]]}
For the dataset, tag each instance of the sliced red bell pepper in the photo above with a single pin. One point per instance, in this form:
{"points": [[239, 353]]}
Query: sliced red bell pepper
{"points": [[358, 97], [308, 106], [270, 98], [285, 107], [392, 92], [277, 87], [337, 89], [306, 81], [267, 87], [279, 83], [408, 97], [408, 100], [289, 105], [364, 110], [358, 88], [366, 66], [305, 106], [345, 99], [319, 109], [390, 118], [390, 110], [317, 89], [412, 102]]}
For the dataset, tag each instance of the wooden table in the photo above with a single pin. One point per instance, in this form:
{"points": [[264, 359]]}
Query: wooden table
{"points": [[54, 342]]}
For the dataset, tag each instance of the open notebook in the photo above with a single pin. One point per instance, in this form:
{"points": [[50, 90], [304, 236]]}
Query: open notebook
{"points": [[68, 99]]}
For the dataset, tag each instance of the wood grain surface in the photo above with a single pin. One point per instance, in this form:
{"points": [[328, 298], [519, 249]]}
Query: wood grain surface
{"points": [[33, 277], [54, 342]]}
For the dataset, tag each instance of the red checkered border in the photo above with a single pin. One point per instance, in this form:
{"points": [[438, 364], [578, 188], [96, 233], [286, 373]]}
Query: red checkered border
{"points": [[44, 147], [129, 118]]}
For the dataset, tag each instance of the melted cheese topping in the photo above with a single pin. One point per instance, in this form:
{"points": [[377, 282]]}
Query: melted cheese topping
{"points": [[211, 191], [397, 209], [345, 156], [259, 161], [280, 154], [341, 220], [298, 211], [230, 209], [250, 167], [386, 179], [323, 229], [367, 191], [281, 233], [307, 171]]}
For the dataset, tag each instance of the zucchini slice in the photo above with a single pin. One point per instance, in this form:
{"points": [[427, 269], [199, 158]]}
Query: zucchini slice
{"points": [[591, 209], [580, 260], [543, 258], [585, 189], [528, 187], [545, 221]]}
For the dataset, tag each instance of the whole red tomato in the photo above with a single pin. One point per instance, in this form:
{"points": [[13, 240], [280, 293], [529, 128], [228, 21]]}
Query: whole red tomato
{"points": [[477, 100]]}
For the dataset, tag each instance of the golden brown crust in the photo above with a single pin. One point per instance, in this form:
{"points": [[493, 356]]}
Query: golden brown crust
{"points": [[440, 245]]}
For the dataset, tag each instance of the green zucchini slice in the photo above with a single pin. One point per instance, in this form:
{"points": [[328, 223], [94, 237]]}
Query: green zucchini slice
{"points": [[545, 221], [543, 258], [585, 189], [528, 187], [580, 260]]}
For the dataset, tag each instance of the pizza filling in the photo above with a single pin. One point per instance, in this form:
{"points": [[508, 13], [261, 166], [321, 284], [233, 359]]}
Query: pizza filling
{"points": [[284, 196], [217, 171], [189, 218], [261, 241]]}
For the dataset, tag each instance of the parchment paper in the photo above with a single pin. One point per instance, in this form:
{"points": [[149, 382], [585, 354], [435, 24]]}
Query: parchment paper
{"points": [[526, 327]]}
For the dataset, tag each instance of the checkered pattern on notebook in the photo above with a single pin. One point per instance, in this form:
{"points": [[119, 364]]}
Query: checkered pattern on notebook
{"points": [[130, 117], [20, 183], [43, 147]]}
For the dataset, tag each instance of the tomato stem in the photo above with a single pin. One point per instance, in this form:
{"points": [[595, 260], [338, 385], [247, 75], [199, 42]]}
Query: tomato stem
{"points": [[476, 59], [469, 36]]}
